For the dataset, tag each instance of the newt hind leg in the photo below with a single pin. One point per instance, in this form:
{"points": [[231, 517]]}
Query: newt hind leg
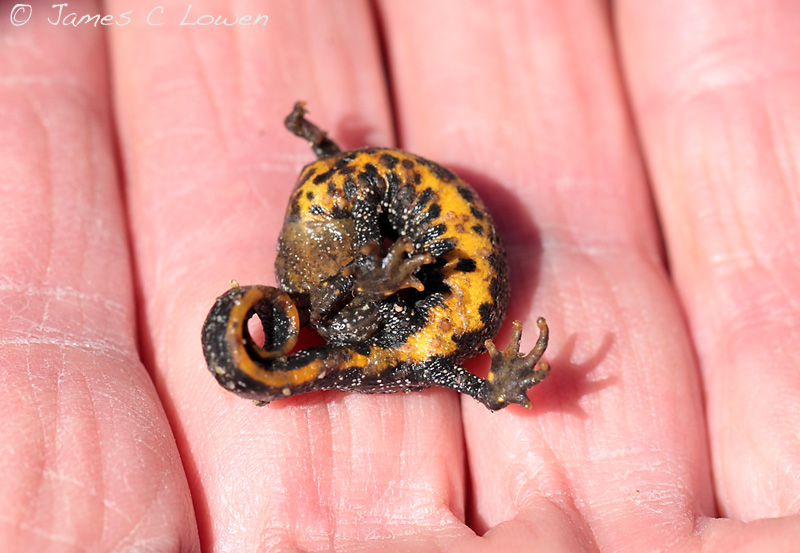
{"points": [[511, 376], [512, 373]]}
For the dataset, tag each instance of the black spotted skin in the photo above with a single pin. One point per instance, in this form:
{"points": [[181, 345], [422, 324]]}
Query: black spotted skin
{"points": [[396, 263]]}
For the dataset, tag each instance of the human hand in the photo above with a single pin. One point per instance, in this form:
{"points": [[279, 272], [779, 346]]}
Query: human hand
{"points": [[529, 104]]}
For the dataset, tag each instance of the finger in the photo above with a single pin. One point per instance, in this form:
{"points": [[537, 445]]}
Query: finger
{"points": [[210, 170], [535, 118], [717, 106], [88, 461]]}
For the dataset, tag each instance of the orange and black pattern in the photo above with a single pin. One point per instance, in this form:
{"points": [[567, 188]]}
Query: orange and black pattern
{"points": [[396, 263]]}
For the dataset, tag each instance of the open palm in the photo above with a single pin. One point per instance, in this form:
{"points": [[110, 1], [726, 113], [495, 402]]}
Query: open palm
{"points": [[641, 161]]}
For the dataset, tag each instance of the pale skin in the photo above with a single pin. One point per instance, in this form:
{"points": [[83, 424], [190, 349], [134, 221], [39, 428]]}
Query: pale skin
{"points": [[669, 420]]}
